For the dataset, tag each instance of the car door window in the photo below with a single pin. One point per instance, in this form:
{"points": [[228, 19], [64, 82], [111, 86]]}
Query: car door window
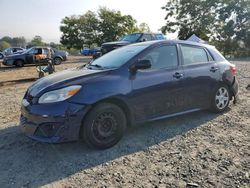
{"points": [[46, 51], [33, 51], [193, 55], [146, 37], [162, 57]]}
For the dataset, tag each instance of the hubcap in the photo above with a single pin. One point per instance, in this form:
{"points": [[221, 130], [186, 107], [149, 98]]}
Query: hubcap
{"points": [[221, 98], [104, 126]]}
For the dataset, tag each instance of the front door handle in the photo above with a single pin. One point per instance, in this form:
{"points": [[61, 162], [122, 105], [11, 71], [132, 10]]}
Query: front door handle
{"points": [[178, 75], [214, 69]]}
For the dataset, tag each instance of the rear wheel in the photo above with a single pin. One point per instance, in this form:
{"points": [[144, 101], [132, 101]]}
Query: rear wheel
{"points": [[104, 126], [220, 99], [19, 63]]}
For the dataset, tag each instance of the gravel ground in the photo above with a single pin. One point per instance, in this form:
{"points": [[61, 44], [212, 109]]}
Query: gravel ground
{"points": [[195, 150]]}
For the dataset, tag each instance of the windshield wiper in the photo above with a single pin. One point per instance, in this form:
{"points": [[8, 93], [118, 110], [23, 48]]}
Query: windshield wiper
{"points": [[95, 65]]}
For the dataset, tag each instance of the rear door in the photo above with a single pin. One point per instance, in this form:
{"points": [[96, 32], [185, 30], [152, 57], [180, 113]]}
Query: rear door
{"points": [[201, 75], [158, 91]]}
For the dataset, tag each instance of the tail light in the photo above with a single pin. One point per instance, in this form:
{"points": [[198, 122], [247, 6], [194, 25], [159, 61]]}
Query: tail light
{"points": [[233, 69]]}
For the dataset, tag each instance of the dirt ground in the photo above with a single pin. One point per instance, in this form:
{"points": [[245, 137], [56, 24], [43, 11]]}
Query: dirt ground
{"points": [[195, 150]]}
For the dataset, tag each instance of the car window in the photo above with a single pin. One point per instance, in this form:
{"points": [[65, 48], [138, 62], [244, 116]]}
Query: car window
{"points": [[159, 36], [45, 51], [146, 37], [193, 55], [131, 37], [118, 57], [162, 57], [210, 58]]}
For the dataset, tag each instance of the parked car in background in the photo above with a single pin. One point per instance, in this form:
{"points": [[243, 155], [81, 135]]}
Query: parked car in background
{"points": [[90, 51], [12, 50], [1, 55], [134, 84], [27, 57], [129, 39], [59, 56]]}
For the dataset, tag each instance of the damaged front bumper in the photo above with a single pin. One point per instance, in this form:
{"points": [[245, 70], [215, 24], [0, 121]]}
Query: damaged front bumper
{"points": [[52, 123]]}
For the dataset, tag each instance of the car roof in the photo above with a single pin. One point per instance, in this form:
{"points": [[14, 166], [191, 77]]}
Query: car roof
{"points": [[156, 42]]}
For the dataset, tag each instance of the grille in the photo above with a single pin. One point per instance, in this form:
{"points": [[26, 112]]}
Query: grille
{"points": [[23, 120]]}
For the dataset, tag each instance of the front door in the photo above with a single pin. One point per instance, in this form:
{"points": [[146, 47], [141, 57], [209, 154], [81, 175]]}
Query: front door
{"points": [[157, 91]]}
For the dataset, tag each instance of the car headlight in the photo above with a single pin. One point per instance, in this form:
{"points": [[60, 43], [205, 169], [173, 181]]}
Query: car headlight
{"points": [[59, 95]]}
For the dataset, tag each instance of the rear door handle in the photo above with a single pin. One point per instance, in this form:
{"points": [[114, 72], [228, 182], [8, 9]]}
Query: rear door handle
{"points": [[213, 69], [178, 75]]}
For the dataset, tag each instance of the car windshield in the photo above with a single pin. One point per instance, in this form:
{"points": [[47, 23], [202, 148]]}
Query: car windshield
{"points": [[131, 37], [116, 58], [29, 50]]}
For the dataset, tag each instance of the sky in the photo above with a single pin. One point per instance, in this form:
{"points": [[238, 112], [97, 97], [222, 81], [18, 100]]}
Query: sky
{"points": [[42, 17]]}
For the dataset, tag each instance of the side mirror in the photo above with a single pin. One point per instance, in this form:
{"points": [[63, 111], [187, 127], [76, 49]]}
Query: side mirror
{"points": [[140, 65]]}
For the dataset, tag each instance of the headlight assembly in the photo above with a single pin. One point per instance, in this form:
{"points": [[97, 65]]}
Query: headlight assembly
{"points": [[59, 95]]}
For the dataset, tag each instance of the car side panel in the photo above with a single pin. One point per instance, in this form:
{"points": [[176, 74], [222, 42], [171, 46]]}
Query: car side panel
{"points": [[200, 83]]}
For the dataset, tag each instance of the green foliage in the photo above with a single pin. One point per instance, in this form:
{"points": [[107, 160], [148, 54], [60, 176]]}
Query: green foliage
{"points": [[3, 45], [143, 27], [112, 24], [15, 42], [71, 32], [225, 23], [36, 41], [91, 29]]}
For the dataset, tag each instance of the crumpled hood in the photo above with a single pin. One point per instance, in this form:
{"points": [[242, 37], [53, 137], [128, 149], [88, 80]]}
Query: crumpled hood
{"points": [[59, 79]]}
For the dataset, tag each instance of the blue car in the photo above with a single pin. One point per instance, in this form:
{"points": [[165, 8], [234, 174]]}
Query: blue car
{"points": [[90, 52], [137, 83]]}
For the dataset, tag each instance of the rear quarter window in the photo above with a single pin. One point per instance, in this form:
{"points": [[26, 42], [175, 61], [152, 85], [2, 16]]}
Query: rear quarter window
{"points": [[193, 55]]}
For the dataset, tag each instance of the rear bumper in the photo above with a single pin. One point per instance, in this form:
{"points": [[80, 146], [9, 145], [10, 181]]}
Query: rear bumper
{"points": [[235, 90], [52, 123]]}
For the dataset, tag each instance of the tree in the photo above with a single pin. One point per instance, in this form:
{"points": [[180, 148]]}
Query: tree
{"points": [[112, 24], [36, 41], [143, 27], [18, 41], [225, 21], [71, 32], [3, 45], [91, 28], [7, 39]]}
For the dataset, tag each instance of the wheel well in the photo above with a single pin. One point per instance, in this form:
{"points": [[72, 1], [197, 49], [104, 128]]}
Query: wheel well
{"points": [[231, 93], [114, 101], [18, 60], [58, 57]]}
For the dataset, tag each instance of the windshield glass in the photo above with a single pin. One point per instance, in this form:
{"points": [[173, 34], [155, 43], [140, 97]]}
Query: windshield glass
{"points": [[117, 58], [29, 50], [131, 38]]}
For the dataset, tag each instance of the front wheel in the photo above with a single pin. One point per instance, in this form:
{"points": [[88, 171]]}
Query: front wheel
{"points": [[19, 63], [220, 99], [104, 126], [57, 61]]}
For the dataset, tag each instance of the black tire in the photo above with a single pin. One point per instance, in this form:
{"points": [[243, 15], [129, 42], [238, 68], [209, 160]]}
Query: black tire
{"points": [[19, 63], [220, 102], [57, 60], [40, 74], [104, 126]]}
